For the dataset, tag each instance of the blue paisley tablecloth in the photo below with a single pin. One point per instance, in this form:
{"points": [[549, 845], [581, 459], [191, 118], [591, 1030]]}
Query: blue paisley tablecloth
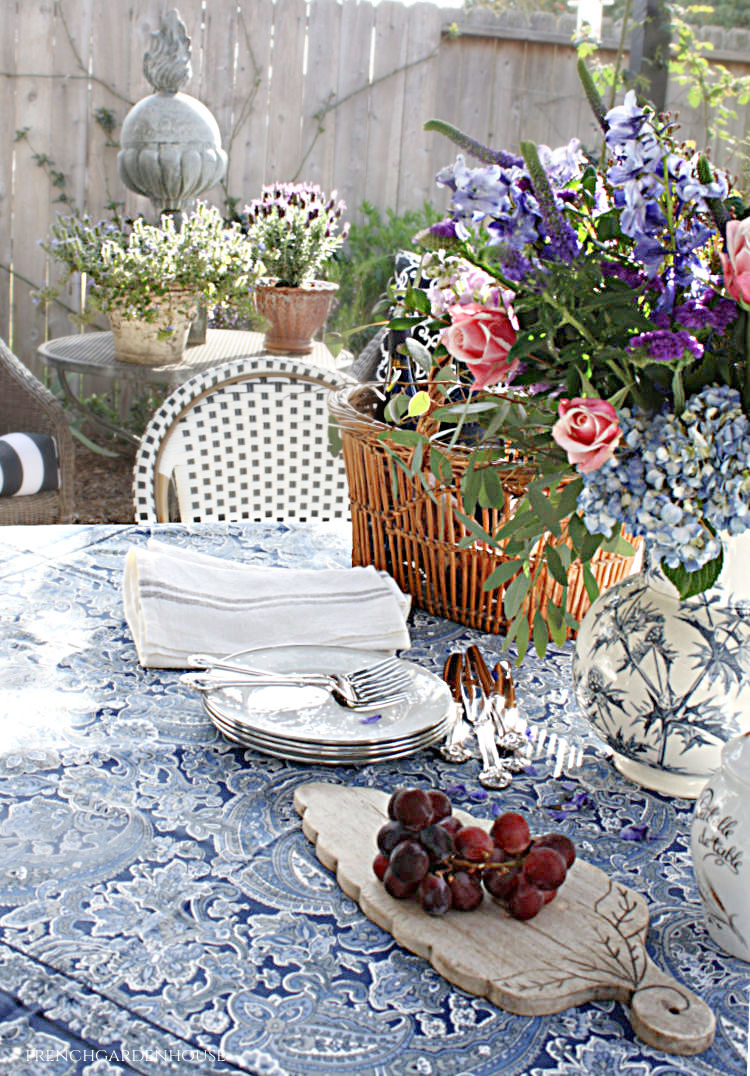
{"points": [[162, 912]]}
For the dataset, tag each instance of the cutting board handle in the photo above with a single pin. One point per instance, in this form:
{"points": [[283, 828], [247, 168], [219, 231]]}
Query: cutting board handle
{"points": [[670, 1017]]}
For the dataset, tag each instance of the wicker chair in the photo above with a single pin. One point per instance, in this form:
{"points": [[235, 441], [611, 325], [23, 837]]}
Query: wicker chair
{"points": [[245, 440], [26, 406]]}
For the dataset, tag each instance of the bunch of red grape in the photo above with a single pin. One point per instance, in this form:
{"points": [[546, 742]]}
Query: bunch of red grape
{"points": [[426, 852]]}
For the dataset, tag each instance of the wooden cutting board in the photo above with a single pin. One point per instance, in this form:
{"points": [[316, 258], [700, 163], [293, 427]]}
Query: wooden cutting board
{"points": [[585, 945]]}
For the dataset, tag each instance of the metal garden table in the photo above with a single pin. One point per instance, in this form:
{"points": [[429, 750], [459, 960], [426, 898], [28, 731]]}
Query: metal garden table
{"points": [[161, 910], [94, 353]]}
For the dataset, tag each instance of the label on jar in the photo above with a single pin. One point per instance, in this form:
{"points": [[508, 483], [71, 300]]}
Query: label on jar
{"points": [[715, 836]]}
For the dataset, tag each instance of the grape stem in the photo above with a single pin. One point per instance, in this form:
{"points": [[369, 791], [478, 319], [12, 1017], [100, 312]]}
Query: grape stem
{"points": [[454, 863]]}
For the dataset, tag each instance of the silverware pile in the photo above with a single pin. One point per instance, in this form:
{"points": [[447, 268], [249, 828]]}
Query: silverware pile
{"points": [[486, 713]]}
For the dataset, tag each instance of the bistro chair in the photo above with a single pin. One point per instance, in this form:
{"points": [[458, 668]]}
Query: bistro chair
{"points": [[26, 406], [249, 439]]}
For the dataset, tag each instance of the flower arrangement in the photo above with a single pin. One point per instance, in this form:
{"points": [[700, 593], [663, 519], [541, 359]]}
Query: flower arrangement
{"points": [[593, 312], [129, 267], [295, 228]]}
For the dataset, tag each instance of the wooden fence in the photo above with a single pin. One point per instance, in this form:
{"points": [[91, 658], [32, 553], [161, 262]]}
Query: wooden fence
{"points": [[330, 92]]}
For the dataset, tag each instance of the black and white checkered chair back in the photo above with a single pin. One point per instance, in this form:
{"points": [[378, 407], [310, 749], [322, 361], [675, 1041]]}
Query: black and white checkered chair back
{"points": [[249, 439]]}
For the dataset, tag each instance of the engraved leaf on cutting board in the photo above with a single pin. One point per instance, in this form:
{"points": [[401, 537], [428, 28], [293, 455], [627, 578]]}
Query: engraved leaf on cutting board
{"points": [[604, 948]]}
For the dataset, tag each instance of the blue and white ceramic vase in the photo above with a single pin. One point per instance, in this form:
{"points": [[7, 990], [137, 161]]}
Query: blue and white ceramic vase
{"points": [[665, 682]]}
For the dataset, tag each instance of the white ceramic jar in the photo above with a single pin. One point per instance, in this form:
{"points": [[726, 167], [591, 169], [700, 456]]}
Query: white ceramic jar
{"points": [[720, 847]]}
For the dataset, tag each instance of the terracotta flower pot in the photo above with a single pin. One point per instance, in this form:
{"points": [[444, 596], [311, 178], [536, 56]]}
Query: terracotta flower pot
{"points": [[159, 342], [294, 315]]}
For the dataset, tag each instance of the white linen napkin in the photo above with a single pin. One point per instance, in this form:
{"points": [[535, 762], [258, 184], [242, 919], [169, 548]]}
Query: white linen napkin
{"points": [[178, 603]]}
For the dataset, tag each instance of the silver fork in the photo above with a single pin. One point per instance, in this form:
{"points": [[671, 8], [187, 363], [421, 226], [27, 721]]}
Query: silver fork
{"points": [[381, 684], [520, 742], [529, 742]]}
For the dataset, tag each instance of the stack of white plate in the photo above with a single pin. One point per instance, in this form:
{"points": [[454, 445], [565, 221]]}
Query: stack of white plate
{"points": [[305, 724]]}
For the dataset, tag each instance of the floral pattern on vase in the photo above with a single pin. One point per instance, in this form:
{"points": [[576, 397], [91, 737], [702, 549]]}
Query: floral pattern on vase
{"points": [[663, 681]]}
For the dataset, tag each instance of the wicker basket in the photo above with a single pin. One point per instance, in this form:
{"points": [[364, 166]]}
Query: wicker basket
{"points": [[399, 527]]}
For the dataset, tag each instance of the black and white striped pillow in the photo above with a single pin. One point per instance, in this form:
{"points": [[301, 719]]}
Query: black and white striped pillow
{"points": [[28, 464]]}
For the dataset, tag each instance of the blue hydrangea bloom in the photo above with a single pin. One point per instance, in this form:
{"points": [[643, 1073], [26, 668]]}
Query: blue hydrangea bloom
{"points": [[672, 475]]}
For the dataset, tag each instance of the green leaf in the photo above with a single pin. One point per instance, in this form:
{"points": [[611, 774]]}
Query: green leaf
{"points": [[441, 466], [619, 545], [591, 585], [556, 623], [582, 540], [419, 404], [419, 353], [540, 634], [402, 437], [396, 408], [405, 323], [515, 594], [568, 499], [470, 485], [502, 574], [491, 493], [691, 583], [476, 529], [522, 637], [543, 509], [555, 565], [417, 300]]}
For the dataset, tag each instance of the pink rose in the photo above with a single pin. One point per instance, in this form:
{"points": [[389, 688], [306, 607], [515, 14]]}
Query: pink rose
{"points": [[588, 431], [482, 337], [736, 262]]}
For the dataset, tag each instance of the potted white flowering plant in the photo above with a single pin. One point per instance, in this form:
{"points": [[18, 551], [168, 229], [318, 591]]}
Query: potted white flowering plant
{"points": [[149, 278], [295, 228], [593, 317]]}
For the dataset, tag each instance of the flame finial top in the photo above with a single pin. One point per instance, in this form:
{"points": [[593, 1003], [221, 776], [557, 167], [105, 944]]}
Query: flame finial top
{"points": [[167, 65]]}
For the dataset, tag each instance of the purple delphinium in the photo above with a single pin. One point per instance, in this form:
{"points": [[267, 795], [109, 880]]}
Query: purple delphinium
{"points": [[660, 197], [634, 278], [663, 345]]}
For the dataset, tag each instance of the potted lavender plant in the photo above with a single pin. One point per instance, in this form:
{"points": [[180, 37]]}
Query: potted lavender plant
{"points": [[294, 227]]}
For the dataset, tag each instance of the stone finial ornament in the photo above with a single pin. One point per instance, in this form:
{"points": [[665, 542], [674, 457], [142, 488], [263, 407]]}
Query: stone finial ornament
{"points": [[170, 142], [167, 65]]}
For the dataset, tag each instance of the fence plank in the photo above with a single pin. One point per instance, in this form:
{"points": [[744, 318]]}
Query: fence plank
{"points": [[321, 86], [415, 174], [9, 88], [32, 201], [386, 104], [110, 92], [217, 83], [247, 156], [350, 151], [287, 91]]}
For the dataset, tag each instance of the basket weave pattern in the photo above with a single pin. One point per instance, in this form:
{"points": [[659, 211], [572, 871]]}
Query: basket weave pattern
{"points": [[398, 526]]}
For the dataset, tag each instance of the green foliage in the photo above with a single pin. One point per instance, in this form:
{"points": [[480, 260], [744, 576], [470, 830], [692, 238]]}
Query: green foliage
{"points": [[364, 267], [712, 88]]}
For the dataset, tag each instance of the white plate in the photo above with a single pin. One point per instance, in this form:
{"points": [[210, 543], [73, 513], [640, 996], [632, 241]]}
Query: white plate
{"points": [[314, 750], [330, 756], [311, 716]]}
